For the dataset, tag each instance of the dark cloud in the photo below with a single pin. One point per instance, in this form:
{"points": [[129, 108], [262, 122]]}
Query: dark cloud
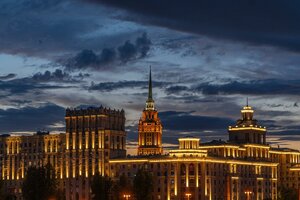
{"points": [[108, 56], [296, 104], [88, 58], [127, 51], [8, 76], [110, 86], [51, 28], [30, 118], [40, 5], [186, 121], [142, 44], [275, 105], [271, 22], [83, 59], [57, 75], [274, 113], [287, 132], [179, 124], [176, 89], [40, 81], [171, 136], [24, 85], [254, 87]]}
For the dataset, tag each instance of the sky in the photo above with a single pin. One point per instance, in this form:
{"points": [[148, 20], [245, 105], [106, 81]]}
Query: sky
{"points": [[207, 57]]}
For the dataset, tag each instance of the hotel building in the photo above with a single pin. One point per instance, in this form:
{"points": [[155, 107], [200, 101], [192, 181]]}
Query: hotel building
{"points": [[93, 136], [17, 153], [243, 168], [150, 128]]}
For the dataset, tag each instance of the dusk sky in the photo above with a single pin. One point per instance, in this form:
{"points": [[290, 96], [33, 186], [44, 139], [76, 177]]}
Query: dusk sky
{"points": [[207, 57]]}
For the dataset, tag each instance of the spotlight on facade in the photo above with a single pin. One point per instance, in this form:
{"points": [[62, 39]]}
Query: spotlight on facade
{"points": [[248, 193], [126, 196], [188, 195]]}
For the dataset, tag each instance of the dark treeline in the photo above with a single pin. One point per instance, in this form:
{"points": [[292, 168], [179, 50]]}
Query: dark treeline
{"points": [[103, 188]]}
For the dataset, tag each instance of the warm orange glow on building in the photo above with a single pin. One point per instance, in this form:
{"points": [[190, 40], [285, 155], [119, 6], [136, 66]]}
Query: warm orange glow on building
{"points": [[247, 129], [150, 128], [244, 167]]}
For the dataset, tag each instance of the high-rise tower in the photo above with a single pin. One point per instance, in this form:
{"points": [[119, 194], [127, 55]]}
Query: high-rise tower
{"points": [[247, 129], [150, 127]]}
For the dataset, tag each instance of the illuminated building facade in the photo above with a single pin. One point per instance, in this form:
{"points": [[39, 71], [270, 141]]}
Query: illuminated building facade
{"points": [[93, 136], [17, 153], [247, 129], [243, 168], [150, 128], [195, 169]]}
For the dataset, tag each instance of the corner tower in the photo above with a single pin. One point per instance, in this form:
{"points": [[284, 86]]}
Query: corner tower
{"points": [[150, 127], [247, 129]]}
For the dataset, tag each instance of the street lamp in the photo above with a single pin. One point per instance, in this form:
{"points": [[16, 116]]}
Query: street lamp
{"points": [[248, 193], [126, 196], [188, 195]]}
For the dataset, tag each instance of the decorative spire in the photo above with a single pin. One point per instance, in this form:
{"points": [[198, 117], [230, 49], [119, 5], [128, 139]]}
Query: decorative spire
{"points": [[150, 101], [247, 111], [150, 86]]}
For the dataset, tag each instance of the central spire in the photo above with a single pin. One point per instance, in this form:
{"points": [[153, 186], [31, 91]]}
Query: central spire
{"points": [[150, 101], [150, 86], [150, 127]]}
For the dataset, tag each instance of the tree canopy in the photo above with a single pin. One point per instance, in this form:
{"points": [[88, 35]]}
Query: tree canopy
{"points": [[143, 185], [101, 187], [39, 183], [287, 194]]}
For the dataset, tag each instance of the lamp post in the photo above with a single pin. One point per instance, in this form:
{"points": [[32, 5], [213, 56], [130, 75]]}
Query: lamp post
{"points": [[126, 196], [188, 195], [248, 193]]}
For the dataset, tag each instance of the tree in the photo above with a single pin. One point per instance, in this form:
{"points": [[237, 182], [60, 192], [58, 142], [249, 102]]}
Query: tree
{"points": [[2, 190], [121, 187], [143, 185], [101, 187], [39, 183], [287, 194], [4, 194]]}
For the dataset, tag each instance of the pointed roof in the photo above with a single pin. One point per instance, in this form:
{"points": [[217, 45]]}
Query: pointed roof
{"points": [[150, 87], [150, 101]]}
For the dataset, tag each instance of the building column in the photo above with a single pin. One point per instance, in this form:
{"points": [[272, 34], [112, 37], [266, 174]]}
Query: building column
{"points": [[196, 181], [168, 182], [176, 180], [86, 140], [73, 140], [187, 175], [80, 140], [204, 194]]}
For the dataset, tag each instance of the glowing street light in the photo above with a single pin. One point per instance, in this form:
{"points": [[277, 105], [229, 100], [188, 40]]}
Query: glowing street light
{"points": [[126, 196], [248, 193], [188, 195]]}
